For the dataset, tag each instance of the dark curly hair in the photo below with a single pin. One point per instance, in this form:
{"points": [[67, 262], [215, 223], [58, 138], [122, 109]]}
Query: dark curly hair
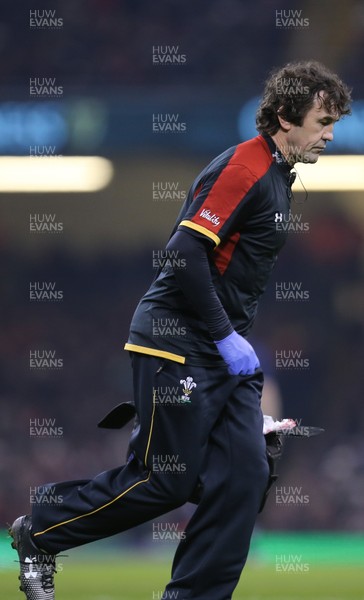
{"points": [[290, 91]]}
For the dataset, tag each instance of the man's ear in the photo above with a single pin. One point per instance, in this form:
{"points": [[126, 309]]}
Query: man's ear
{"points": [[285, 125]]}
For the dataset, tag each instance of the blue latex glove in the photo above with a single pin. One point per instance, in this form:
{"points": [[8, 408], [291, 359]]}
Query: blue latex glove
{"points": [[238, 354]]}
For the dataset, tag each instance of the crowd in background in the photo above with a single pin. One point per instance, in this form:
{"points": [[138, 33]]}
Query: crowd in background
{"points": [[110, 42]]}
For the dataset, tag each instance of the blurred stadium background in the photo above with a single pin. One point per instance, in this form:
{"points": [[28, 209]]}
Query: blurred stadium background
{"points": [[87, 80]]}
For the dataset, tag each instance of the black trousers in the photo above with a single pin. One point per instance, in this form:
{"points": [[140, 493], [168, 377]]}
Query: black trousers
{"points": [[195, 424]]}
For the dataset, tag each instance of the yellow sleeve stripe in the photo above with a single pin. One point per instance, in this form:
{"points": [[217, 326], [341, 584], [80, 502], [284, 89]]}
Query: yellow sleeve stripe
{"points": [[202, 230], [153, 352], [92, 512]]}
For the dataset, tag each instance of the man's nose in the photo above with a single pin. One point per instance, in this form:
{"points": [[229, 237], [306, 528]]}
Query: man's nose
{"points": [[328, 134]]}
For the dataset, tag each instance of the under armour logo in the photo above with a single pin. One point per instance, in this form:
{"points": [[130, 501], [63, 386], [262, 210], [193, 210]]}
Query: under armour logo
{"points": [[278, 218], [30, 573]]}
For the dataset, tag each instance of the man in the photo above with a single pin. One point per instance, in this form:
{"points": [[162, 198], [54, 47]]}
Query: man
{"points": [[189, 331]]}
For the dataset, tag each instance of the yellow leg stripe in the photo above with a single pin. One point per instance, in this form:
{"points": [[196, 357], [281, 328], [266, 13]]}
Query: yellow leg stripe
{"points": [[96, 509], [92, 512], [150, 430]]}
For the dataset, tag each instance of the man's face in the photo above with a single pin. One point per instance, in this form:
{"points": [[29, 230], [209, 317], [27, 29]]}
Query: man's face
{"points": [[306, 142]]}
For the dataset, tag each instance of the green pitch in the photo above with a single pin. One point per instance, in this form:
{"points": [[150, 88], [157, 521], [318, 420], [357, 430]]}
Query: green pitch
{"points": [[281, 567], [144, 579]]}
